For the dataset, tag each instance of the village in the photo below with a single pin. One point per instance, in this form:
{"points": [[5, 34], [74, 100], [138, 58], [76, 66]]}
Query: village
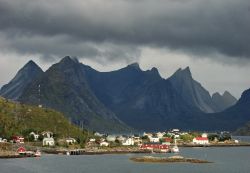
{"points": [[97, 143]]}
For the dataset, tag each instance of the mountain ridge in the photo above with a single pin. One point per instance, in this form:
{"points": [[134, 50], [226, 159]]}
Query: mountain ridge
{"points": [[64, 88], [128, 96]]}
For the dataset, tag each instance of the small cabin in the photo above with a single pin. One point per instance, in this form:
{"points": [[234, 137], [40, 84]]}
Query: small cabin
{"points": [[70, 141]]}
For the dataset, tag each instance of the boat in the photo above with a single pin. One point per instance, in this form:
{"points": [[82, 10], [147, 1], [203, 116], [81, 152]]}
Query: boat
{"points": [[37, 153], [68, 153], [175, 148]]}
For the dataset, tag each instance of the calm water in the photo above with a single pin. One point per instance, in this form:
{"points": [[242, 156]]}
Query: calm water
{"points": [[226, 160]]}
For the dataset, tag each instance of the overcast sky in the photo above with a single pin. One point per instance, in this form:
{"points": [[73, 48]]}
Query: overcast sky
{"points": [[210, 36]]}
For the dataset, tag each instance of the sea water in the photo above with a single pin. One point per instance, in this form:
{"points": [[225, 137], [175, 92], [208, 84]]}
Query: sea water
{"points": [[225, 160]]}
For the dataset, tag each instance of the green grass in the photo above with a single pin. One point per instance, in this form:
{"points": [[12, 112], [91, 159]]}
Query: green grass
{"points": [[20, 119]]}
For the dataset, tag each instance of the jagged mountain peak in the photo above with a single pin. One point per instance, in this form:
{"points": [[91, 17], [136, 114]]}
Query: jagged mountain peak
{"points": [[184, 73], [187, 72], [135, 65], [22, 79], [31, 63], [216, 94], [69, 59], [192, 90], [223, 101], [227, 93], [154, 71]]}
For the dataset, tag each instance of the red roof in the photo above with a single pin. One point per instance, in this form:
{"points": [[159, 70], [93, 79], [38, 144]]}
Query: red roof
{"points": [[167, 139], [21, 150], [201, 138]]}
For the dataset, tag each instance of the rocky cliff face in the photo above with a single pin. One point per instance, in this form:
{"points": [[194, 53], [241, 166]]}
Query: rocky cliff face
{"points": [[192, 91], [14, 89]]}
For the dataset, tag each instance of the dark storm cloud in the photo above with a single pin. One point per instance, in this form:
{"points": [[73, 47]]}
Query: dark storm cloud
{"points": [[117, 28]]}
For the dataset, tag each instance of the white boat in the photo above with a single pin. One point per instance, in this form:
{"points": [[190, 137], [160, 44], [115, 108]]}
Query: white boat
{"points": [[38, 153], [175, 148], [67, 153]]}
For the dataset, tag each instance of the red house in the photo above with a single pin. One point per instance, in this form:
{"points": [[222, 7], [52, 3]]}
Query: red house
{"points": [[18, 139], [201, 140]]}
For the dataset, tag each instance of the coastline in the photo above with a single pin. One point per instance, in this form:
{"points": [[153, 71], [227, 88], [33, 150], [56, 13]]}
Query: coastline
{"points": [[102, 151]]}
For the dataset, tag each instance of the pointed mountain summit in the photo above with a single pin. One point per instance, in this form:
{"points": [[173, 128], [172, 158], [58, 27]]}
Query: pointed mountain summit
{"points": [[135, 65], [223, 101], [14, 89], [68, 59], [192, 91], [231, 100], [64, 88]]}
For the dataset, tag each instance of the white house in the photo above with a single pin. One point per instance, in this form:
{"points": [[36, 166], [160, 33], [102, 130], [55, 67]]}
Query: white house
{"points": [[92, 140], [104, 144], [36, 136], [48, 142], [70, 141], [154, 139], [201, 141], [128, 141], [3, 140], [111, 138]]}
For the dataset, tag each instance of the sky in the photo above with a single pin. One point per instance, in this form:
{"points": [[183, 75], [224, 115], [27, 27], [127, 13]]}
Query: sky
{"points": [[210, 36]]}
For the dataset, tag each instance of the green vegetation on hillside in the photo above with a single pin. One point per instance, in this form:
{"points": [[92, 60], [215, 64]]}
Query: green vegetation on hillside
{"points": [[20, 119]]}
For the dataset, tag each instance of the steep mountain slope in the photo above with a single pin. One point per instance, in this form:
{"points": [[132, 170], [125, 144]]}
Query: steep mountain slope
{"points": [[102, 101], [14, 89], [223, 101], [142, 99], [234, 117], [192, 91], [64, 88], [18, 119]]}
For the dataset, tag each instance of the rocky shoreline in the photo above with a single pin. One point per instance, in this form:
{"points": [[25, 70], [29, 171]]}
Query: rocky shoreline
{"points": [[173, 159], [100, 151]]}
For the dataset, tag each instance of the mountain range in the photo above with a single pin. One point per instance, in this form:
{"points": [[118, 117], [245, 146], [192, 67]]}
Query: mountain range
{"points": [[125, 98]]}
